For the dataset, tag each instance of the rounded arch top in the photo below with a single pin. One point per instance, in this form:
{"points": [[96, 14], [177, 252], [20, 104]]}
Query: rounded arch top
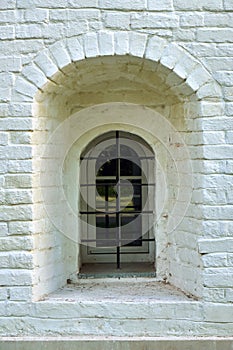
{"points": [[182, 72]]}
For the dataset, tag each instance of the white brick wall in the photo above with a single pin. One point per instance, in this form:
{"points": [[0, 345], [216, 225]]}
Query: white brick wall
{"points": [[189, 46]]}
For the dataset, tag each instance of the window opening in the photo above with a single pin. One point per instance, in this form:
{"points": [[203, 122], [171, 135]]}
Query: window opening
{"points": [[118, 190]]}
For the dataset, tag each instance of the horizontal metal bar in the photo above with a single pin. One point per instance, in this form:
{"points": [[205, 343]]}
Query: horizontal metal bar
{"points": [[122, 240], [114, 184], [121, 158], [120, 212]]}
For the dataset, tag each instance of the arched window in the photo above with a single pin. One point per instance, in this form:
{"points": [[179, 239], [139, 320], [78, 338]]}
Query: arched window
{"points": [[117, 200]]}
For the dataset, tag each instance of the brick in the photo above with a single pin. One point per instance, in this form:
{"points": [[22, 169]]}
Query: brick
{"points": [[20, 228], [60, 54], [75, 49], [18, 181], [33, 74], [228, 6], [17, 212], [91, 45], [106, 43], [24, 87], [121, 40], [218, 313], [162, 5], [117, 20], [28, 31], [40, 15], [24, 166], [7, 16], [215, 260], [16, 152], [191, 20], [42, 3], [7, 4], [7, 32], [225, 78], [211, 5], [218, 277], [123, 5], [149, 20], [20, 293], [197, 78], [171, 55], [209, 91], [3, 229], [215, 35], [15, 243], [79, 3], [155, 48], [216, 245], [210, 109], [15, 277], [18, 197], [137, 44], [46, 64]]}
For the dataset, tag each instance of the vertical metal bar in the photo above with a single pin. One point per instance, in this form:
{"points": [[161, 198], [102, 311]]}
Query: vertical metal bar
{"points": [[106, 188], [118, 201]]}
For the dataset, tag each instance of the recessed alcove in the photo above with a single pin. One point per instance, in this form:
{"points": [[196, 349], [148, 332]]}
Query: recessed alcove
{"points": [[94, 96]]}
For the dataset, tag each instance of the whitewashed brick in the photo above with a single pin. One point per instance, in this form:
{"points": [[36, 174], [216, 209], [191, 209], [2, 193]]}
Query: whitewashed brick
{"points": [[209, 91], [228, 93], [41, 3], [7, 32], [75, 49], [229, 295], [79, 3], [15, 277], [21, 228], [218, 313], [24, 166], [18, 197], [60, 54], [191, 20], [215, 35], [215, 260], [117, 20], [211, 109], [155, 48], [149, 20], [46, 64], [24, 87], [121, 43], [91, 45], [20, 293], [34, 75], [7, 4], [7, 17], [3, 293], [218, 277], [19, 212], [3, 229], [197, 78], [171, 55], [185, 66], [3, 138], [18, 181], [212, 5], [216, 245], [125, 5], [40, 15], [18, 137], [137, 44], [28, 31], [16, 243], [106, 43], [228, 5], [162, 5]]}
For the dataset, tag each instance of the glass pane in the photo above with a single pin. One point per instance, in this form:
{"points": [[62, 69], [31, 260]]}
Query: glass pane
{"points": [[130, 168], [131, 195], [106, 195], [106, 230], [131, 230], [106, 164]]}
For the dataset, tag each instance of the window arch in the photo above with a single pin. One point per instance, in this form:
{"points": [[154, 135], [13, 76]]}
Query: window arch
{"points": [[117, 199]]}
